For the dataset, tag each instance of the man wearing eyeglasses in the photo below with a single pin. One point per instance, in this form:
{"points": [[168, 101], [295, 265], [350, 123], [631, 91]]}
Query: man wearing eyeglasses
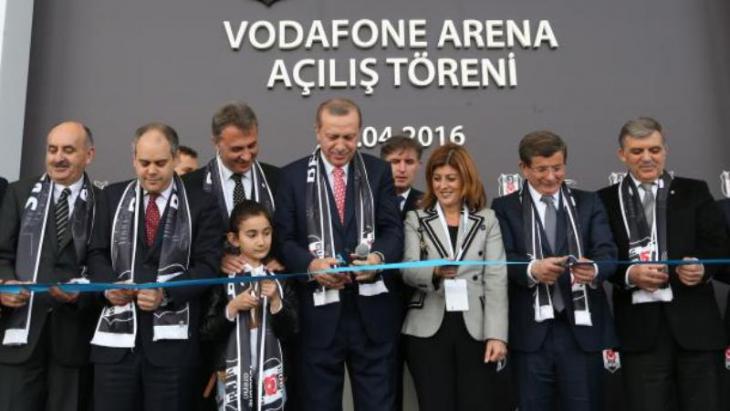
{"points": [[559, 316]]}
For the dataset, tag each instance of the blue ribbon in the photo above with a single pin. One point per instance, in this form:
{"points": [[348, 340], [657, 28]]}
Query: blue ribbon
{"points": [[101, 287]]}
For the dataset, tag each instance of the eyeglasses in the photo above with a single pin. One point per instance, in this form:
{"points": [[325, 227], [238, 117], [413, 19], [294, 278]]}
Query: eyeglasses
{"points": [[546, 169]]}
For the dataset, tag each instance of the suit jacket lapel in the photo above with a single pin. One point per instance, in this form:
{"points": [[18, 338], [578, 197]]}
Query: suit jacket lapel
{"points": [[350, 203], [561, 235], [467, 233], [435, 231]]}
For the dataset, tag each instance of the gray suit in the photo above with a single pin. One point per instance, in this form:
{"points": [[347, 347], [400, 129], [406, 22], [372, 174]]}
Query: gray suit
{"points": [[425, 238]]}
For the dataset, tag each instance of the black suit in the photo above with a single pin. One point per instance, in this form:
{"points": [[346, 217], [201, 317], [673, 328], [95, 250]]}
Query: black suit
{"points": [[59, 334], [360, 330], [414, 196], [558, 356], [677, 342], [160, 372], [197, 179]]}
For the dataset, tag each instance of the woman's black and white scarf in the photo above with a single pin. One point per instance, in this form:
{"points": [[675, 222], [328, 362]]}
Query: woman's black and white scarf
{"points": [[254, 377], [30, 245], [117, 325], [261, 192], [533, 242], [319, 213], [647, 239]]}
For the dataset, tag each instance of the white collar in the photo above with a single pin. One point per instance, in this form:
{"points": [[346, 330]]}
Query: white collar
{"points": [[537, 197], [406, 193], [74, 187], [638, 183], [226, 173], [328, 167], [258, 271], [165, 194]]}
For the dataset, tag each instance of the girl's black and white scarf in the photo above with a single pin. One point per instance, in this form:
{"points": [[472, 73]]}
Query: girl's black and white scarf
{"points": [[30, 245], [254, 377], [647, 239], [543, 304], [261, 192], [117, 326]]}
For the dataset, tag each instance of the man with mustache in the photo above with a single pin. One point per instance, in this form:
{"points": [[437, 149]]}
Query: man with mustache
{"points": [[154, 228], [337, 207], [46, 224], [667, 318]]}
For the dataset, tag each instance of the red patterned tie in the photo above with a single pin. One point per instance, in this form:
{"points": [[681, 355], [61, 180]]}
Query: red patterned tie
{"points": [[338, 175], [151, 219]]}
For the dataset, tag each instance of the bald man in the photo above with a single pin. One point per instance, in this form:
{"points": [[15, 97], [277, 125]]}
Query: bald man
{"points": [[154, 228], [46, 222]]}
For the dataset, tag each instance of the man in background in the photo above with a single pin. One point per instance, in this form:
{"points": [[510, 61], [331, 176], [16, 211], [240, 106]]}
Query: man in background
{"points": [[187, 160]]}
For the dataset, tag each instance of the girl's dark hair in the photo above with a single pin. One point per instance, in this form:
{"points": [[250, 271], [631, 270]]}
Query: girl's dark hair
{"points": [[244, 210]]}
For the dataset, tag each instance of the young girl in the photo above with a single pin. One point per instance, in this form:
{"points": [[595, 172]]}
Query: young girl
{"points": [[260, 312]]}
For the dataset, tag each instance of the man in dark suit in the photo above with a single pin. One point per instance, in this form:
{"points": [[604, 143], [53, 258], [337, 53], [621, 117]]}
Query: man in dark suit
{"points": [[667, 318], [337, 207], [145, 347], [46, 224], [231, 176], [556, 337], [404, 156]]}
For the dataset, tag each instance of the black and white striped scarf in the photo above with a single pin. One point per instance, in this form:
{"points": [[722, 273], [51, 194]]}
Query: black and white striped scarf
{"points": [[30, 245], [533, 243], [117, 326], [253, 381]]}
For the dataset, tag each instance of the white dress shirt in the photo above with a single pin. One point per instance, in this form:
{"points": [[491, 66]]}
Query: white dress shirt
{"points": [[329, 169], [161, 199], [75, 190], [541, 207], [228, 184], [403, 197]]}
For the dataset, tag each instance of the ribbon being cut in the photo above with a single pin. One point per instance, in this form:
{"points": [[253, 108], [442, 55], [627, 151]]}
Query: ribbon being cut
{"points": [[101, 287]]}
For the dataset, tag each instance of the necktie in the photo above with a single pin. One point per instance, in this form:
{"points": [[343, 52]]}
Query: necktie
{"points": [[238, 192], [62, 231], [648, 203], [551, 218], [338, 178], [151, 219], [402, 202], [550, 226]]}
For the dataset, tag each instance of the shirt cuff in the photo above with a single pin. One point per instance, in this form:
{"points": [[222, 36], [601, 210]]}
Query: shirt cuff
{"points": [[226, 314], [626, 279], [531, 281], [276, 310], [594, 283]]}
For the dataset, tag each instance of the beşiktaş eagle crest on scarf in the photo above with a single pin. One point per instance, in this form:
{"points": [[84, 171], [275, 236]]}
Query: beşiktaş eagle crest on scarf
{"points": [[30, 245], [254, 377], [533, 243], [647, 239], [319, 217], [117, 326]]}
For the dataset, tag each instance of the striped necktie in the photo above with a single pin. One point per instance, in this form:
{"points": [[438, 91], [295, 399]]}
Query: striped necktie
{"points": [[62, 232]]}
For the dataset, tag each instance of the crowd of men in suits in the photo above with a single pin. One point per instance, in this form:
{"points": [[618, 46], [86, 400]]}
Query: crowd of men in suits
{"points": [[143, 349]]}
